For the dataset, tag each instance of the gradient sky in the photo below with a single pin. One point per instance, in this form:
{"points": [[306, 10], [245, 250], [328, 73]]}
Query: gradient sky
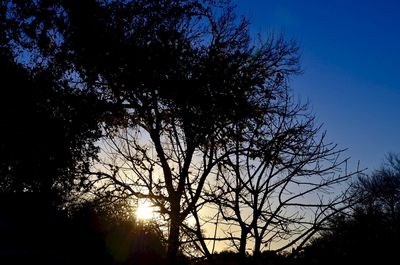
{"points": [[351, 62]]}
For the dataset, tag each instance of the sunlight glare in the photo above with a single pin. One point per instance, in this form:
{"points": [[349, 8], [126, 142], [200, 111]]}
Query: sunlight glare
{"points": [[145, 210]]}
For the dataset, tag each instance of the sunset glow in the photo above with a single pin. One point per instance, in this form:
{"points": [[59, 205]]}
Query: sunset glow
{"points": [[145, 210]]}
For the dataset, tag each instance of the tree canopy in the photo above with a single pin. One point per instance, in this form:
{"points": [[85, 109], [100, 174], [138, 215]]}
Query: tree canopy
{"points": [[182, 102], [47, 130]]}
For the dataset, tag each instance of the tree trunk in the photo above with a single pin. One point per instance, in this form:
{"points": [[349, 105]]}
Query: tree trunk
{"points": [[242, 247], [257, 249], [174, 230], [173, 240]]}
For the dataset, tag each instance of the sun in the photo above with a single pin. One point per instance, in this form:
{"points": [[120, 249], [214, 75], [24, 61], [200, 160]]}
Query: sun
{"points": [[145, 210]]}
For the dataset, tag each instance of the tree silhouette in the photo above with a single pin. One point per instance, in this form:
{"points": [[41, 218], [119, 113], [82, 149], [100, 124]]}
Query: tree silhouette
{"points": [[380, 192], [182, 71], [182, 94], [47, 132], [367, 234], [274, 187], [48, 125], [180, 124]]}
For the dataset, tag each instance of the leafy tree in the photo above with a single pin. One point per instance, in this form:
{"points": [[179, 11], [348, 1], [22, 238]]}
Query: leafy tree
{"points": [[48, 129], [108, 233], [47, 133], [99, 232]]}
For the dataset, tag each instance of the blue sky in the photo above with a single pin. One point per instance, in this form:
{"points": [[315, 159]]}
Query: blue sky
{"points": [[351, 62]]}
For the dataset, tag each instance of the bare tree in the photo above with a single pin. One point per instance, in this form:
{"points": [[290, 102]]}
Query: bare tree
{"points": [[381, 190], [278, 186]]}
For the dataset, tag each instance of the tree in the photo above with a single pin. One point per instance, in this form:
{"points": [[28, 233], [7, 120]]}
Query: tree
{"points": [[184, 72], [369, 232], [380, 192], [47, 133], [48, 129], [189, 91], [274, 188]]}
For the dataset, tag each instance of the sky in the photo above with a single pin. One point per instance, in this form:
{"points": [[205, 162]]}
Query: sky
{"points": [[350, 57]]}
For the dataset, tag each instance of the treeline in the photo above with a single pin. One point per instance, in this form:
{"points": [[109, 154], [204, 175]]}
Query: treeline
{"points": [[104, 103], [32, 233], [368, 233]]}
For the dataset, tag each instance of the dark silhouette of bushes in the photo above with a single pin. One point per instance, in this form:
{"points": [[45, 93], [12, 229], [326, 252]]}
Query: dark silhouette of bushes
{"points": [[369, 234], [364, 238], [32, 232]]}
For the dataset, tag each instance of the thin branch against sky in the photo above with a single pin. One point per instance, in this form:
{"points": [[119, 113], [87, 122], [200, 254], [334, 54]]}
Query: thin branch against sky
{"points": [[350, 60]]}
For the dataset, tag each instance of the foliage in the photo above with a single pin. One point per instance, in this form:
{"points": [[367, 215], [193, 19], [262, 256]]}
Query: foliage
{"points": [[112, 231], [48, 131], [183, 72], [92, 233], [364, 238], [181, 93]]}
